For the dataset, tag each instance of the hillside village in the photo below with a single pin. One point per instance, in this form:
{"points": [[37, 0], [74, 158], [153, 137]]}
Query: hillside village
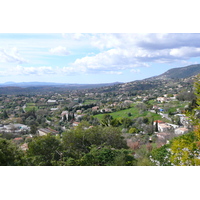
{"points": [[28, 115], [146, 114]]}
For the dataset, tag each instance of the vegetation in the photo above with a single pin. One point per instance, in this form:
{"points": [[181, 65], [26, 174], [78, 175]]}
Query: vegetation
{"points": [[185, 149], [10, 154], [140, 123], [131, 113], [31, 106]]}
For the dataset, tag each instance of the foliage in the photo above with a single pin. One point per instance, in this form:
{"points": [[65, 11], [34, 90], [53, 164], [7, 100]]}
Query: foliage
{"points": [[133, 130], [107, 156], [115, 122], [142, 155], [33, 129], [80, 139], [42, 150], [160, 156], [184, 151], [5, 115], [197, 89], [106, 120], [30, 107], [135, 113], [10, 154], [126, 122]]}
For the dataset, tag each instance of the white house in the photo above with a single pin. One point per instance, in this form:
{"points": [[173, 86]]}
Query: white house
{"points": [[45, 131], [54, 109], [163, 127], [65, 113], [181, 131], [161, 99], [51, 101]]}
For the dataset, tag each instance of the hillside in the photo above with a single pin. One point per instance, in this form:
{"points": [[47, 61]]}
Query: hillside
{"points": [[181, 72], [172, 81]]}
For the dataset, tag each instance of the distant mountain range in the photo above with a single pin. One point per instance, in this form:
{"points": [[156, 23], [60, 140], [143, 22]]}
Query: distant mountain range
{"points": [[42, 84]]}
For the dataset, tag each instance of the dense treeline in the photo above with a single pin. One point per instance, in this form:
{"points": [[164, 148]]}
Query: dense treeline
{"points": [[96, 146]]}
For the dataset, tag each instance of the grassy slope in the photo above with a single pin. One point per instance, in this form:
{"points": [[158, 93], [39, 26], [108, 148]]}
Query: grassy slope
{"points": [[89, 102], [135, 113], [30, 106]]}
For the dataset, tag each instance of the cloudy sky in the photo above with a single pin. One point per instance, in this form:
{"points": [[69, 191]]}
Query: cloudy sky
{"points": [[93, 57]]}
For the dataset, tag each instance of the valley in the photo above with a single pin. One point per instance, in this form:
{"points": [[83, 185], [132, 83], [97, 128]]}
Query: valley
{"points": [[127, 120]]}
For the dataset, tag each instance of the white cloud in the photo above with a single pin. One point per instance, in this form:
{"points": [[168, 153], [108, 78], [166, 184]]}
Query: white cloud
{"points": [[169, 41], [135, 70], [61, 51], [113, 60], [162, 47], [107, 53], [77, 36], [107, 40], [185, 52], [19, 70], [12, 56], [72, 70], [113, 72]]}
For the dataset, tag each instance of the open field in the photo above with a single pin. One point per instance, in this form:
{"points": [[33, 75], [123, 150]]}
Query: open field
{"points": [[135, 113], [89, 101], [31, 106]]}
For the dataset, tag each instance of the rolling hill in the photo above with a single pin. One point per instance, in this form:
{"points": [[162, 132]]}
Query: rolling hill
{"points": [[181, 72]]}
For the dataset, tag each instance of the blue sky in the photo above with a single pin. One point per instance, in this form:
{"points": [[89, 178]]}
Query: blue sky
{"points": [[93, 57]]}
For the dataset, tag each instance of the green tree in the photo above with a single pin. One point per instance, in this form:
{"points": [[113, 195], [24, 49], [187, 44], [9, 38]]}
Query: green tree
{"points": [[79, 140], [133, 130], [75, 142], [107, 156], [10, 154], [184, 150], [115, 122], [42, 150], [106, 120], [143, 156], [33, 129], [126, 122], [161, 156], [5, 115], [156, 126]]}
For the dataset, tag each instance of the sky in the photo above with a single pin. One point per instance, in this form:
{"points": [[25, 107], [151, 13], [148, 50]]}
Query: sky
{"points": [[93, 57]]}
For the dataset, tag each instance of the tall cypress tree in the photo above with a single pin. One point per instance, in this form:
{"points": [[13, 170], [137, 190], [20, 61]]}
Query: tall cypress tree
{"points": [[5, 115]]}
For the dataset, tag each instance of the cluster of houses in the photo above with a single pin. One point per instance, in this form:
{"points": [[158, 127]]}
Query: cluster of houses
{"points": [[165, 98], [14, 128], [166, 131], [76, 116], [103, 110]]}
